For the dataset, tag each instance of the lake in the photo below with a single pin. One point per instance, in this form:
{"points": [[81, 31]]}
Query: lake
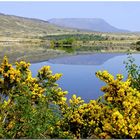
{"points": [[79, 71]]}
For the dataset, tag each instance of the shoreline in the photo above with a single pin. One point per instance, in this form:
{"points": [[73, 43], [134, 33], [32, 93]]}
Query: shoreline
{"points": [[79, 53], [42, 57]]}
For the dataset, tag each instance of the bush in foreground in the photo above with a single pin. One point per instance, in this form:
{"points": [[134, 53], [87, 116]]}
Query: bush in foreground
{"points": [[37, 107]]}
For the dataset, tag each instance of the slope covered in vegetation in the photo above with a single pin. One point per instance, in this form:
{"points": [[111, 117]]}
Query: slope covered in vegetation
{"points": [[23, 38]]}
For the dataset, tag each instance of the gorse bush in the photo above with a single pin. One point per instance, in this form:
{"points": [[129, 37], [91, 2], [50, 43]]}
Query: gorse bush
{"points": [[37, 107], [29, 106], [115, 115]]}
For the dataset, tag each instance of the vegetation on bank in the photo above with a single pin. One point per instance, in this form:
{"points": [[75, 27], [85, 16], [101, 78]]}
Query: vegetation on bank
{"points": [[48, 46], [65, 44], [78, 37], [36, 107], [91, 43], [31, 39], [136, 46]]}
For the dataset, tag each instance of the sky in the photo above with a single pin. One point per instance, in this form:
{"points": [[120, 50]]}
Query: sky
{"points": [[123, 15]]}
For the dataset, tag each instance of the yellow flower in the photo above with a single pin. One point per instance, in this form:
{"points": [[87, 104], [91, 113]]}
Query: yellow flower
{"points": [[64, 99], [74, 96]]}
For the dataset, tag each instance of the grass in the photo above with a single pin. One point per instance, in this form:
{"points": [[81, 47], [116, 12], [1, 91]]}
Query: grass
{"points": [[27, 50], [29, 39], [35, 46], [35, 49]]}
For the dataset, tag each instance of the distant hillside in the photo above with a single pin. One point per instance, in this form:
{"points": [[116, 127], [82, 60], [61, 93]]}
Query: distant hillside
{"points": [[20, 26], [89, 24], [14, 26]]}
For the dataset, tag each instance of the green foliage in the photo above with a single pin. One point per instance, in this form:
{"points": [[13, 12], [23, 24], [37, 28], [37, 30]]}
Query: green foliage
{"points": [[138, 43], [64, 44], [133, 71], [37, 107], [79, 37], [135, 46], [29, 107], [52, 44]]}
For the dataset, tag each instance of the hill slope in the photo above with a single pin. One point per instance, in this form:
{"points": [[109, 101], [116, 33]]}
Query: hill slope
{"points": [[90, 24], [20, 26]]}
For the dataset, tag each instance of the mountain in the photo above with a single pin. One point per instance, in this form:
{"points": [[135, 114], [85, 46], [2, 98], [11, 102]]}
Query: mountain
{"points": [[19, 26], [88, 24], [15, 26]]}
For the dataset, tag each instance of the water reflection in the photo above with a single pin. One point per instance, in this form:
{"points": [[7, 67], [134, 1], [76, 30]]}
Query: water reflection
{"points": [[88, 59], [81, 79]]}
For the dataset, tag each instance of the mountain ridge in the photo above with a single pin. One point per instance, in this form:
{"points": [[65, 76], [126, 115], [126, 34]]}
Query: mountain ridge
{"points": [[90, 24], [11, 25]]}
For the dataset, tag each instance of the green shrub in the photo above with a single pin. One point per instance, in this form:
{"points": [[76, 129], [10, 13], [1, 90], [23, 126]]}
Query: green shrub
{"points": [[133, 71], [138, 43], [29, 107], [37, 107]]}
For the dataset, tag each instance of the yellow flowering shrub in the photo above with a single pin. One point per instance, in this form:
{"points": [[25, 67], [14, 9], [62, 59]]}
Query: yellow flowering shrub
{"points": [[114, 115], [36, 107], [29, 106], [123, 103]]}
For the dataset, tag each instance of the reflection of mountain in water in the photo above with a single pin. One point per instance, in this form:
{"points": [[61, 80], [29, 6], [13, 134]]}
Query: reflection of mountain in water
{"points": [[90, 59]]}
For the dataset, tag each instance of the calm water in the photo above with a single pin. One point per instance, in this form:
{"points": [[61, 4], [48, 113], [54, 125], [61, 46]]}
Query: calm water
{"points": [[79, 72]]}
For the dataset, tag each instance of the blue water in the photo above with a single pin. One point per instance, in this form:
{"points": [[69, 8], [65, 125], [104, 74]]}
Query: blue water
{"points": [[79, 72]]}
